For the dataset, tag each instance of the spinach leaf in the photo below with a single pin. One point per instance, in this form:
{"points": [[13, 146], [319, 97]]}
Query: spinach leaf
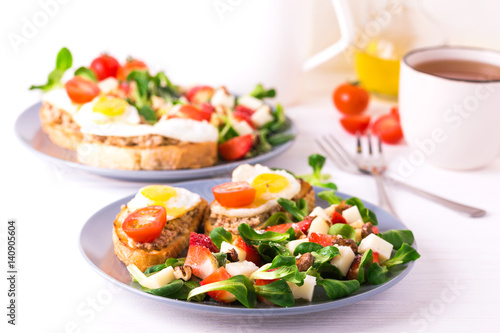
{"points": [[280, 123], [148, 113], [405, 254], [252, 237], [330, 197], [86, 73], [184, 291], [287, 273], [306, 247], [277, 292], [337, 288], [166, 290], [324, 255], [221, 258], [268, 251], [227, 132], [398, 237], [328, 271], [154, 269], [366, 261], [261, 93], [174, 262], [219, 235], [277, 218], [297, 209], [317, 161], [283, 261], [366, 214], [279, 138], [64, 61], [238, 285], [377, 274], [345, 230]]}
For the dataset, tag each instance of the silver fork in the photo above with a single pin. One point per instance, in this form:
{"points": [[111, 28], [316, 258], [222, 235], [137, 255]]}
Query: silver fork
{"points": [[374, 165], [347, 163]]}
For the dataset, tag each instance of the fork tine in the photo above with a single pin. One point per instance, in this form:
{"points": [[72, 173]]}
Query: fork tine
{"points": [[333, 153], [341, 151]]}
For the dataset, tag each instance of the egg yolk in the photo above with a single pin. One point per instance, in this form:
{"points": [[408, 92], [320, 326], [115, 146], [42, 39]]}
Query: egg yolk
{"points": [[267, 185], [159, 195], [110, 106]]}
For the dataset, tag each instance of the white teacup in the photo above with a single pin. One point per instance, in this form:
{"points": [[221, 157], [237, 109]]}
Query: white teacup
{"points": [[453, 123]]}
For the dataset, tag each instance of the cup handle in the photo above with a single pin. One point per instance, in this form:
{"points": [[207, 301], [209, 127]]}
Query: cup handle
{"points": [[347, 33]]}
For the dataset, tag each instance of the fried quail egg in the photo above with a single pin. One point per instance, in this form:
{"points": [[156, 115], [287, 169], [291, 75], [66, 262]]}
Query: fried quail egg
{"points": [[177, 201]]}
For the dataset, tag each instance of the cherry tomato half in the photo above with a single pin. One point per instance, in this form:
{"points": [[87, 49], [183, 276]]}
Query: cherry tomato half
{"points": [[242, 113], [388, 128], [81, 90], [145, 224], [234, 194], [105, 66], [357, 123], [195, 113], [235, 148], [130, 66], [350, 99]]}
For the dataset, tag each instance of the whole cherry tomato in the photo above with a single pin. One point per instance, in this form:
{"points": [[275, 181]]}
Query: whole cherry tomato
{"points": [[105, 66], [350, 99]]}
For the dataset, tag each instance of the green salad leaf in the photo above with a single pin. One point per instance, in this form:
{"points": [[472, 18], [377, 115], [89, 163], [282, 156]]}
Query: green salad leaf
{"points": [[167, 290], [297, 209], [184, 291], [252, 237], [405, 254], [317, 161], [221, 258], [169, 262], [331, 197], [261, 93], [278, 218], [86, 73], [398, 237], [324, 255], [219, 235], [284, 268], [269, 251], [306, 247], [377, 274], [337, 288], [238, 285], [277, 292], [345, 230], [64, 61], [366, 261]]}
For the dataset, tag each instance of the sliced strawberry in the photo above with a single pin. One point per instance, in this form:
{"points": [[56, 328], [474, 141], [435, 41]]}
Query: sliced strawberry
{"points": [[338, 218], [304, 225], [219, 295], [282, 228], [200, 94], [376, 257], [321, 239], [207, 108], [193, 112], [201, 261], [375, 230], [252, 254], [242, 113], [202, 240]]}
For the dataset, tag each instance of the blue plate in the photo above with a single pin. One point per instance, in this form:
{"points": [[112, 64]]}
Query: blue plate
{"points": [[97, 248], [29, 130]]}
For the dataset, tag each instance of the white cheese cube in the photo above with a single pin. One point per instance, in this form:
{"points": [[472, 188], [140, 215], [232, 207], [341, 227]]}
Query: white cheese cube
{"points": [[319, 225], [293, 244], [344, 260], [159, 279], [108, 85], [262, 116], [358, 234], [352, 214], [318, 211], [358, 224], [250, 102], [241, 268], [330, 210], [225, 247], [376, 244], [221, 97], [306, 290], [242, 127]]}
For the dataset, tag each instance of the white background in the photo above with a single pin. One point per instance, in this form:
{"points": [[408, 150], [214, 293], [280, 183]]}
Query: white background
{"points": [[51, 202]]}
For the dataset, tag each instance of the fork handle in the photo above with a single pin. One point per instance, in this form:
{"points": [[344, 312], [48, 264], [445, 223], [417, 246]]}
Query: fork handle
{"points": [[458, 207], [384, 201]]}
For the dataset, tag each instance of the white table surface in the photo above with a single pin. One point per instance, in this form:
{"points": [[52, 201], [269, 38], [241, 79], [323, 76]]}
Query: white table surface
{"points": [[454, 286]]}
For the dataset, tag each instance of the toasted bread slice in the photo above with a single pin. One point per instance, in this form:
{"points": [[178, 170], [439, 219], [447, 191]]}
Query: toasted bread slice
{"points": [[184, 155], [60, 127], [257, 222], [173, 240]]}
